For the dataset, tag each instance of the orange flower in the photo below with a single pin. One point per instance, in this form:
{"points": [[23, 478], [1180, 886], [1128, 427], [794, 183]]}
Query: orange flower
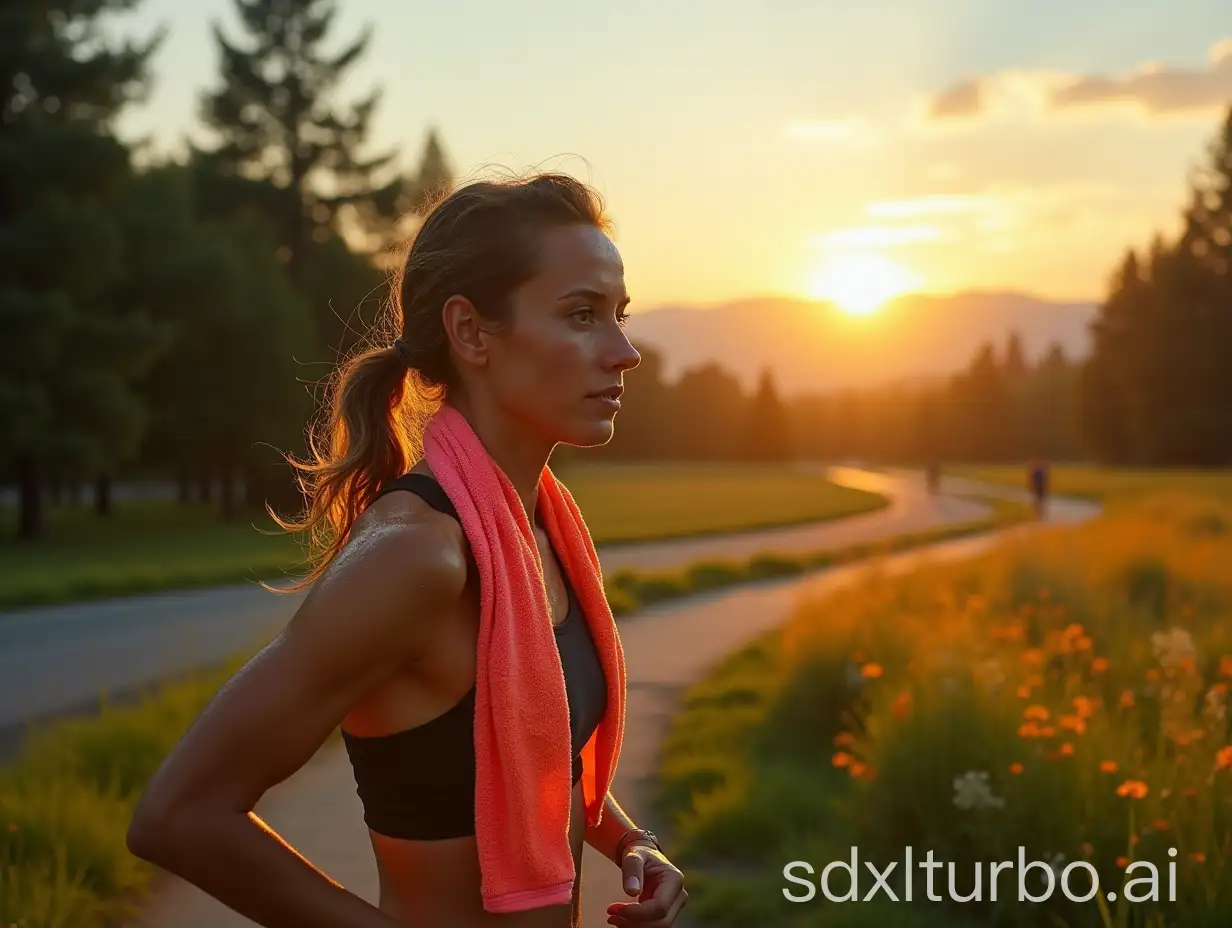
{"points": [[1122, 862], [1225, 665], [901, 707], [1223, 758], [1033, 656], [858, 768], [858, 657], [1084, 706], [1024, 692], [1198, 857], [1134, 789], [871, 671], [842, 759], [1152, 675], [1073, 723], [1047, 731], [1160, 825], [1067, 749], [1083, 644], [1127, 699], [844, 739], [1015, 768], [1086, 848], [1191, 793], [1028, 730], [1108, 766], [1036, 713], [1073, 630], [1036, 679], [1099, 665]]}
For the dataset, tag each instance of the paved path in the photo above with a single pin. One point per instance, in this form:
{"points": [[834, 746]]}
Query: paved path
{"points": [[63, 658], [667, 647]]}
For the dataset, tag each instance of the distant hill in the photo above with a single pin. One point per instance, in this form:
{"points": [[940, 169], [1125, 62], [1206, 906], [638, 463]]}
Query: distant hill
{"points": [[813, 346]]}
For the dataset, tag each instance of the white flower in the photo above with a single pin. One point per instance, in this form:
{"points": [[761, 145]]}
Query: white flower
{"points": [[971, 791], [1173, 647]]}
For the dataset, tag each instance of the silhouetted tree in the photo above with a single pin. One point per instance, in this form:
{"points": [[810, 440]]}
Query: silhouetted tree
{"points": [[767, 432], [71, 349]]}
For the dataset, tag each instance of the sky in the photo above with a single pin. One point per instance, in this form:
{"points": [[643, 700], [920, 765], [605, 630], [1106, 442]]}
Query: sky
{"points": [[810, 148]]}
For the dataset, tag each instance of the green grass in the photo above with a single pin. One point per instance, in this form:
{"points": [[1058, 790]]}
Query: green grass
{"points": [[1112, 486], [65, 805], [149, 546], [850, 724]]}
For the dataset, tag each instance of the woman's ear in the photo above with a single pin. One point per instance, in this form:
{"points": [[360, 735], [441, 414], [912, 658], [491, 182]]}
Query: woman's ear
{"points": [[464, 327]]}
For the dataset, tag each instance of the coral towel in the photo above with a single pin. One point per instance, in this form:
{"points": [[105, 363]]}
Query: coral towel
{"points": [[523, 762]]}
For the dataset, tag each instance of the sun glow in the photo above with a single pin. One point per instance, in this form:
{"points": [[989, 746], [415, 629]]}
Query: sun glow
{"points": [[860, 283]]}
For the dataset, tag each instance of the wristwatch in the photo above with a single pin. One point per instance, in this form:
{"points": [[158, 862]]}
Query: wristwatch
{"points": [[636, 834]]}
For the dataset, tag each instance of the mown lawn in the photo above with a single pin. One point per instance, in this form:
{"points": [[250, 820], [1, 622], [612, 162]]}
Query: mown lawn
{"points": [[1107, 484], [147, 546], [1066, 694]]}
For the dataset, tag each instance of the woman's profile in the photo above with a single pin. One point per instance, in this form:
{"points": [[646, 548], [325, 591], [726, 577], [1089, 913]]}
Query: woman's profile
{"points": [[455, 626]]}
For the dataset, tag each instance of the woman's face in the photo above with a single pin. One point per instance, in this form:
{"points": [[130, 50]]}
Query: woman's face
{"points": [[558, 367]]}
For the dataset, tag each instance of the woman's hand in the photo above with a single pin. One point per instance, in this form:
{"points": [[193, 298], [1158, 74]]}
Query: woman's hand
{"points": [[659, 888]]}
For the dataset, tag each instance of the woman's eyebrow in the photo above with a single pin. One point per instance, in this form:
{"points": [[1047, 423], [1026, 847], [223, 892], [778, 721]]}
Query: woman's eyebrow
{"points": [[592, 294]]}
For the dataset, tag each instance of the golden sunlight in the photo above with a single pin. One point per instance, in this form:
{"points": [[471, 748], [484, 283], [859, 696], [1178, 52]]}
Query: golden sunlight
{"points": [[860, 283]]}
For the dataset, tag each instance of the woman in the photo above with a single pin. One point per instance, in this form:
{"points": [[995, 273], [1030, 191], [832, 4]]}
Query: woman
{"points": [[509, 311]]}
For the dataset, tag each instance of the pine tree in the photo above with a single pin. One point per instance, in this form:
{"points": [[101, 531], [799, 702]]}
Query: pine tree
{"points": [[279, 125], [71, 348], [767, 436]]}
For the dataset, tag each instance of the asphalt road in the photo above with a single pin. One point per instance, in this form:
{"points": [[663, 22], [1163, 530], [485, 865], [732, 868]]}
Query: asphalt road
{"points": [[62, 659]]}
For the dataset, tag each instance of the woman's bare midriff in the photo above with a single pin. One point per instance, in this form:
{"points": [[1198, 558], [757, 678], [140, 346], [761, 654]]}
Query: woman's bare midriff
{"points": [[436, 884]]}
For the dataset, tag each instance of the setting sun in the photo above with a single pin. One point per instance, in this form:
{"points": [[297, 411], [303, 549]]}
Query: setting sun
{"points": [[860, 284]]}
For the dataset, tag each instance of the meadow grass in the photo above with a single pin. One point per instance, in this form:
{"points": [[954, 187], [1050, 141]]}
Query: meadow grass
{"points": [[1065, 693], [65, 805], [151, 545], [1111, 486]]}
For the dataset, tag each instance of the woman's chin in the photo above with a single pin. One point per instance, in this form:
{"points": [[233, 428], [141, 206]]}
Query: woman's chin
{"points": [[589, 434]]}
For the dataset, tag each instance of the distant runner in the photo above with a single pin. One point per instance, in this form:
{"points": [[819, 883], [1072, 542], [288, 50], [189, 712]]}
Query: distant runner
{"points": [[1037, 479]]}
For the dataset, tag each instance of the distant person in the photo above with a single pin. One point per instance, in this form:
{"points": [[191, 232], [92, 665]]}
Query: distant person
{"points": [[451, 588], [1037, 480]]}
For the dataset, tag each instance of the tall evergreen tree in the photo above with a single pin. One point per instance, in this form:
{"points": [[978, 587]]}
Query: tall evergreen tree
{"points": [[281, 127], [766, 436], [71, 348]]}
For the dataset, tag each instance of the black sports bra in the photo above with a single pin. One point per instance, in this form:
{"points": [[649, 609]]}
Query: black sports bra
{"points": [[419, 783]]}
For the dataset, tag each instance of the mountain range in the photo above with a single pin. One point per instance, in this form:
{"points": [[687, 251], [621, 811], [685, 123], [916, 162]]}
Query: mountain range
{"points": [[815, 347]]}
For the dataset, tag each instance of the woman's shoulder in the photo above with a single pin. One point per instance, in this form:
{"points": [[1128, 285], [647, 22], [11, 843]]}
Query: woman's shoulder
{"points": [[401, 556]]}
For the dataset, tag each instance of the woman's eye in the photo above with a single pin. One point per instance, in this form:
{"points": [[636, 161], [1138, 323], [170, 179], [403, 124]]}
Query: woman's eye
{"points": [[585, 311]]}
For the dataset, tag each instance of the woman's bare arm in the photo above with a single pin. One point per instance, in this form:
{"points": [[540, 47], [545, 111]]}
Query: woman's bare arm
{"points": [[372, 611]]}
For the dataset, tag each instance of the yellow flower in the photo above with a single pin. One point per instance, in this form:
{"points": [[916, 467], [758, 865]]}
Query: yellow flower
{"points": [[1134, 789]]}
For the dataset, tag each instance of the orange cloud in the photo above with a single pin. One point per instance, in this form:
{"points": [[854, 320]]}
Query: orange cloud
{"points": [[961, 101], [1154, 89]]}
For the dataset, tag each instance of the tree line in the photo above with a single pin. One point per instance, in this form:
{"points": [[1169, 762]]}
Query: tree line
{"points": [[171, 315], [999, 408]]}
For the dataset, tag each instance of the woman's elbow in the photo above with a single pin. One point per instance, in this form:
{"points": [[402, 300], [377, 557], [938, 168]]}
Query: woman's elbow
{"points": [[153, 828]]}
